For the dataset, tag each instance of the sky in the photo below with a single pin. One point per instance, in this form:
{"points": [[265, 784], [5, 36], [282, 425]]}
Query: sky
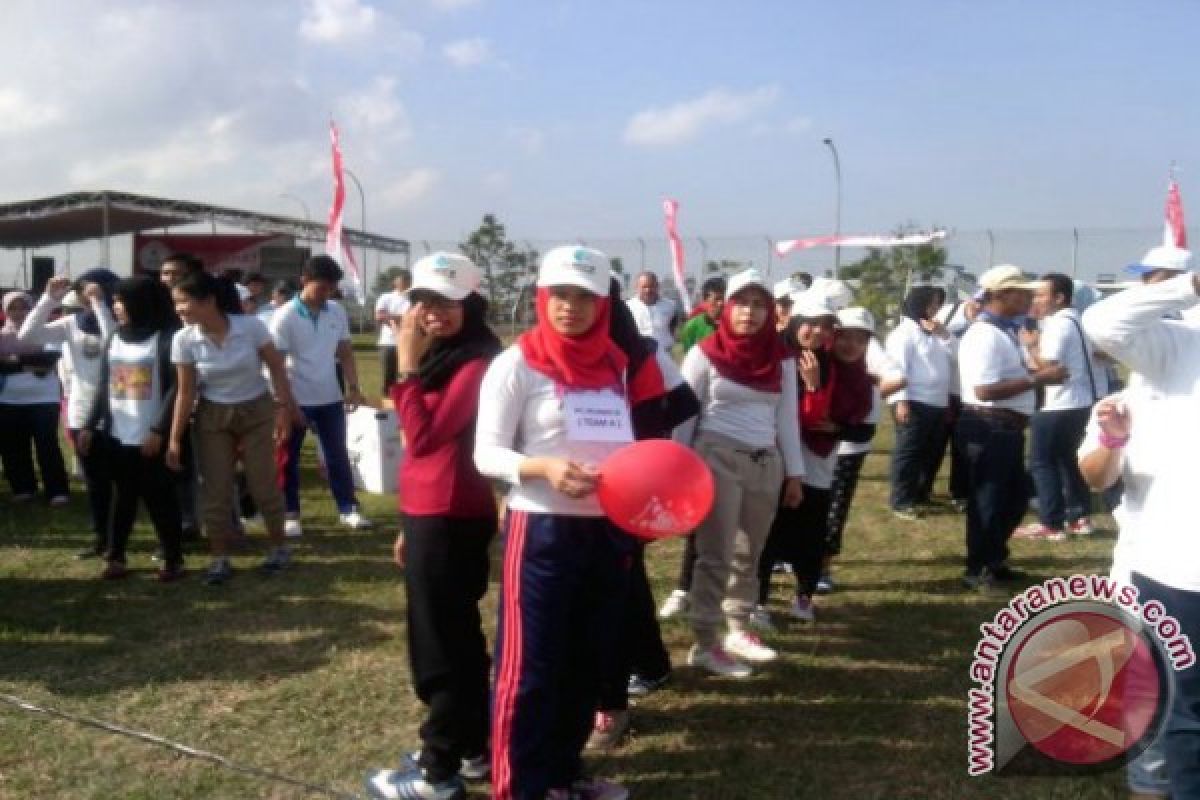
{"points": [[573, 119]]}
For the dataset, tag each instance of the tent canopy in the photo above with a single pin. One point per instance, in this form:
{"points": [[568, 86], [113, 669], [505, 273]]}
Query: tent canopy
{"points": [[78, 216]]}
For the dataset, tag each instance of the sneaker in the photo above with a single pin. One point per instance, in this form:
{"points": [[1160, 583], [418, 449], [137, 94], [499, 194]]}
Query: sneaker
{"points": [[825, 583], [676, 603], [254, 520], [1005, 574], [218, 572], [749, 647], [276, 561], [410, 784], [59, 500], [1081, 527], [356, 521], [608, 729], [590, 790], [717, 661], [292, 528], [760, 620], [1036, 530], [114, 571], [907, 514], [170, 574], [802, 608], [474, 769], [640, 686]]}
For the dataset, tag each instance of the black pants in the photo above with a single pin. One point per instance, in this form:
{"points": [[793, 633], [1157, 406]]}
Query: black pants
{"points": [[958, 470], [688, 564], [97, 477], [914, 460], [136, 477], [640, 649], [446, 575], [845, 484], [798, 536], [387, 367], [24, 430], [994, 452]]}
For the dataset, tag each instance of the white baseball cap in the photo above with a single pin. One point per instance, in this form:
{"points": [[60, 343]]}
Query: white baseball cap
{"points": [[575, 265], [856, 318], [785, 288], [1006, 276], [1162, 257], [744, 279], [811, 304], [450, 275], [836, 292]]}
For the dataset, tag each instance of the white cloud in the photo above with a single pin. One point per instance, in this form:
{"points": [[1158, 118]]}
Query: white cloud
{"points": [[333, 21], [466, 53], [408, 188], [684, 121], [375, 110], [20, 114], [531, 140]]}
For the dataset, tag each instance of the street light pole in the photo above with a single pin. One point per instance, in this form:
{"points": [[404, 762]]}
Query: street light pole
{"points": [[837, 220]]}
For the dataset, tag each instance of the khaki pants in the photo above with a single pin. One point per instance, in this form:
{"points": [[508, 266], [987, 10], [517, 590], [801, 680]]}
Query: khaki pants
{"points": [[223, 433], [731, 538]]}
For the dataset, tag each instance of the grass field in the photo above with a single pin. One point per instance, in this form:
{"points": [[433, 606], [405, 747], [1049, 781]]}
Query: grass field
{"points": [[305, 674]]}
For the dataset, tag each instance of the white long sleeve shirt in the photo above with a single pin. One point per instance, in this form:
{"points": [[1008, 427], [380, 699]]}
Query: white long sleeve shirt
{"points": [[925, 359], [522, 415], [85, 351], [758, 419], [1158, 536]]}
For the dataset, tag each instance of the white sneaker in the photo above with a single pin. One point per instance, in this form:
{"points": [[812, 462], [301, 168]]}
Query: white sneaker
{"points": [[760, 620], [802, 608], [676, 603], [717, 661], [292, 527], [748, 646], [356, 521]]}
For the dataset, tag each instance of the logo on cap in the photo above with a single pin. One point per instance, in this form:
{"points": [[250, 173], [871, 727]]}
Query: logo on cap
{"points": [[442, 261]]}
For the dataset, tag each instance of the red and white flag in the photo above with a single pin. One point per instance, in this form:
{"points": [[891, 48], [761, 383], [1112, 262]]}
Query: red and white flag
{"points": [[783, 248], [671, 211], [1174, 234], [334, 246]]}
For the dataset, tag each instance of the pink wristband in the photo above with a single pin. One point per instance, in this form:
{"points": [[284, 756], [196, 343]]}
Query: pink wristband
{"points": [[1113, 442]]}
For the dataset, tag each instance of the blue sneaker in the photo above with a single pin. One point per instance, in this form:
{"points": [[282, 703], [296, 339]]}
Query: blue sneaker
{"points": [[410, 784]]}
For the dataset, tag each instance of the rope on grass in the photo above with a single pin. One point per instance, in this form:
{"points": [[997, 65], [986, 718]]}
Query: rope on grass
{"points": [[183, 749]]}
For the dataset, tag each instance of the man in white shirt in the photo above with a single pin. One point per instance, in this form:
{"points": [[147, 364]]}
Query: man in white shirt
{"points": [[1064, 500], [655, 315], [921, 349], [391, 307], [1158, 542], [998, 400], [314, 333]]}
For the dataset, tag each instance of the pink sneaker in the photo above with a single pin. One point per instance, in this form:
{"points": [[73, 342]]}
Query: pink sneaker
{"points": [[1036, 530]]}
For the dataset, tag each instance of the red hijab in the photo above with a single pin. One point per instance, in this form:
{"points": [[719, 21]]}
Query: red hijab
{"points": [[749, 359], [588, 361]]}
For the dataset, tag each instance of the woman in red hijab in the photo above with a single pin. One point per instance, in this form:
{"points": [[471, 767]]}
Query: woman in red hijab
{"points": [[748, 433], [552, 407]]}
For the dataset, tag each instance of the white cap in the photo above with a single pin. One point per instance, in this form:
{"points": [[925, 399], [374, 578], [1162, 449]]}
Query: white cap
{"points": [[785, 288], [1006, 276], [72, 300], [811, 304], [744, 279], [1163, 257], [856, 318], [838, 294], [574, 265], [447, 274], [244, 294]]}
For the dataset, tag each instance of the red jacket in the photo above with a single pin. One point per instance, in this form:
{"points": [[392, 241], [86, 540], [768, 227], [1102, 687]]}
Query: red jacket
{"points": [[437, 474]]}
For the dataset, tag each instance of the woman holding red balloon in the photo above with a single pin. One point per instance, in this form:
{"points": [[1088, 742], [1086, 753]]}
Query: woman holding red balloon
{"points": [[748, 434], [552, 408]]}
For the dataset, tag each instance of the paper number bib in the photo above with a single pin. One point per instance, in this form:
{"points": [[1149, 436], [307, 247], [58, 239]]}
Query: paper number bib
{"points": [[600, 416]]}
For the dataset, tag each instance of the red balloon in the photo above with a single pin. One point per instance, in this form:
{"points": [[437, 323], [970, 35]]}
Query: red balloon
{"points": [[655, 488]]}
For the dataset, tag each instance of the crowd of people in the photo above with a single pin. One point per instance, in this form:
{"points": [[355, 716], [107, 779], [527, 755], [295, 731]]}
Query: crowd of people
{"points": [[193, 394]]}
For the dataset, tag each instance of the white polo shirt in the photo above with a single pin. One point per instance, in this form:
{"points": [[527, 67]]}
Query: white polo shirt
{"points": [[394, 304], [310, 344], [925, 360], [230, 372], [988, 355], [654, 320], [1061, 341]]}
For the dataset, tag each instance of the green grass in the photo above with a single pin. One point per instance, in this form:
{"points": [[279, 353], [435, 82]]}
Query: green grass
{"points": [[306, 674]]}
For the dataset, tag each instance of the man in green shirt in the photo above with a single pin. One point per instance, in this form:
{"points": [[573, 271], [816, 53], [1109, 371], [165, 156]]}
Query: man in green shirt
{"points": [[704, 319]]}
